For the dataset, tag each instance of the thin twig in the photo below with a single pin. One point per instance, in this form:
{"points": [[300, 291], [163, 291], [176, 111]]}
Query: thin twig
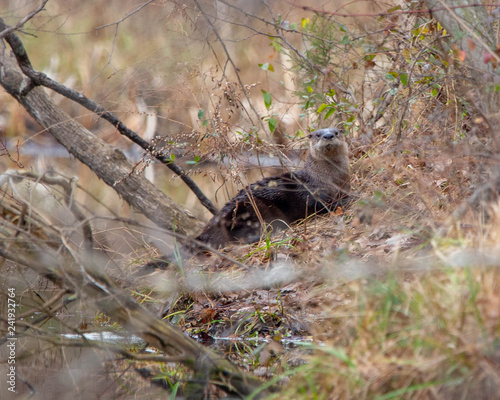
{"points": [[3, 147], [230, 60], [68, 187], [128, 15], [7, 30], [180, 236], [115, 35]]}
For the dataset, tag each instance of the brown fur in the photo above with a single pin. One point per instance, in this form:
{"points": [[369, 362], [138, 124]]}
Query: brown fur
{"points": [[278, 201]]}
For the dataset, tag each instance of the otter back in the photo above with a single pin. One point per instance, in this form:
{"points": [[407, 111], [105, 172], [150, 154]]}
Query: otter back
{"points": [[321, 186]]}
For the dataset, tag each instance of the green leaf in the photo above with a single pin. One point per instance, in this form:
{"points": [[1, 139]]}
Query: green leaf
{"points": [[434, 92], [272, 124], [195, 161], [395, 8], [391, 75], [330, 112], [345, 40], [310, 89], [201, 114], [266, 67], [404, 79], [276, 44], [267, 99], [322, 108]]}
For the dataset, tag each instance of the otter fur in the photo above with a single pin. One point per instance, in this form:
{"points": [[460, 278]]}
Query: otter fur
{"points": [[321, 186]]}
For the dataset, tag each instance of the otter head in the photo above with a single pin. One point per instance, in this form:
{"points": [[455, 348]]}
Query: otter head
{"points": [[327, 144]]}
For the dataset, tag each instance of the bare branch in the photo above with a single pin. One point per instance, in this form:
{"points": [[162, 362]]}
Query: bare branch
{"points": [[40, 79], [68, 186], [84, 342], [230, 60], [107, 162], [128, 15], [3, 147], [7, 30]]}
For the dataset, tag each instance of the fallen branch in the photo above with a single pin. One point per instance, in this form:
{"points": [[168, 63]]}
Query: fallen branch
{"points": [[106, 161], [40, 79], [87, 280]]}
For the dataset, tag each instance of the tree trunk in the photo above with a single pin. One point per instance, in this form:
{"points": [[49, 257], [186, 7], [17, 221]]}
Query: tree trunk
{"points": [[107, 162]]}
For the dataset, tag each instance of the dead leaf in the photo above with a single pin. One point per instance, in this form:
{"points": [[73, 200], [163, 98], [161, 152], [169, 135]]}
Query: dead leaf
{"points": [[459, 53], [338, 211], [369, 64], [471, 44], [207, 315]]}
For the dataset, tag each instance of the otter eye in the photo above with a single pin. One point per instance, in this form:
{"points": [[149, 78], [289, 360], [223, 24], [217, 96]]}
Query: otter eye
{"points": [[310, 136]]}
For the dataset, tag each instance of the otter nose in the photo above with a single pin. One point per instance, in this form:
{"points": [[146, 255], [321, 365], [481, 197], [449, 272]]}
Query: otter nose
{"points": [[330, 133]]}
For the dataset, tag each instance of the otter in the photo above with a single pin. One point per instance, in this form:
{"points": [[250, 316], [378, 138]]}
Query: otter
{"points": [[321, 186]]}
